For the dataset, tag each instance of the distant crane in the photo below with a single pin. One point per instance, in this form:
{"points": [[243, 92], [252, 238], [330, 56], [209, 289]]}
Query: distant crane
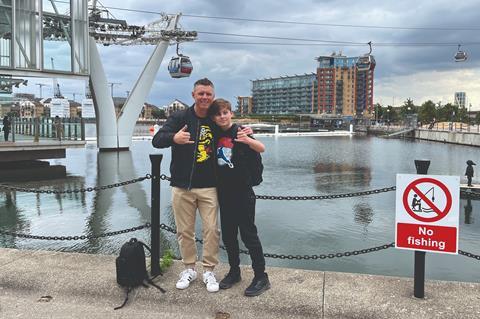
{"points": [[56, 86], [41, 85], [111, 86]]}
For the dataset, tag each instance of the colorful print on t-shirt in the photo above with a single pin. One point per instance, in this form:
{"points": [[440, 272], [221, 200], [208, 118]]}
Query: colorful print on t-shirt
{"points": [[224, 151], [204, 144]]}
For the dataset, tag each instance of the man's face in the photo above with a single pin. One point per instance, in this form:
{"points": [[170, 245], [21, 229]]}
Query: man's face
{"points": [[203, 96]]}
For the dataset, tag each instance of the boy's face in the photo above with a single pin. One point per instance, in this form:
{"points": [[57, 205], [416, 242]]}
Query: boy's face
{"points": [[223, 118]]}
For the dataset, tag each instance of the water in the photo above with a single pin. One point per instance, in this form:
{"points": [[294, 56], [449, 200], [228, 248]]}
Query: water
{"points": [[293, 166]]}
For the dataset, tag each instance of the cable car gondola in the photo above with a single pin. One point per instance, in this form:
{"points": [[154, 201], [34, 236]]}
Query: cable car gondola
{"points": [[180, 66], [460, 56], [366, 62]]}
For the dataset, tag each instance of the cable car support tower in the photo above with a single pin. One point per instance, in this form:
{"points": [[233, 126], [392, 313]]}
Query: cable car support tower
{"points": [[114, 132]]}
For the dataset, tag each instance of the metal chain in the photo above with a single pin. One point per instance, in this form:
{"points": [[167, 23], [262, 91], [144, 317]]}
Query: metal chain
{"points": [[165, 177], [70, 191], [243, 251], [315, 197], [370, 192], [82, 237], [467, 254], [298, 257]]}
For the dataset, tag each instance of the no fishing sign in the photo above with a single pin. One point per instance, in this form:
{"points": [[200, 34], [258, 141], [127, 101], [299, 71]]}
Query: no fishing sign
{"points": [[427, 213]]}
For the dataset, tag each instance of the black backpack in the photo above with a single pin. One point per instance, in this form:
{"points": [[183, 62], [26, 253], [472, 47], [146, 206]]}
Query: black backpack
{"points": [[132, 269], [252, 161]]}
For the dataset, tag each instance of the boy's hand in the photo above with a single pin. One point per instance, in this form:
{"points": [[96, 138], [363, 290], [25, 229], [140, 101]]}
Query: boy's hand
{"points": [[242, 136], [182, 137], [247, 130]]}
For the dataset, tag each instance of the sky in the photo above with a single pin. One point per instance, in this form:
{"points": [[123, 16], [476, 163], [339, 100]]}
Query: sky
{"points": [[417, 72]]}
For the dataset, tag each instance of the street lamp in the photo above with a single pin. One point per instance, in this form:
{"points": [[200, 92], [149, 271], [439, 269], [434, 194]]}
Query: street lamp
{"points": [[388, 117]]}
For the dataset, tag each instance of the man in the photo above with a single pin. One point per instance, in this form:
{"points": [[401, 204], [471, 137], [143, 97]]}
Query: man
{"points": [[57, 123], [6, 128], [189, 133]]}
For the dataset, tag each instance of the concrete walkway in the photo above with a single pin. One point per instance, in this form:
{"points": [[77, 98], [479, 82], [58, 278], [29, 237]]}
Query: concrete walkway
{"points": [[84, 286]]}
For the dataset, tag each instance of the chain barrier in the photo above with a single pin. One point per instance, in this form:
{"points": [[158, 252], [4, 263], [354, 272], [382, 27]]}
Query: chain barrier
{"points": [[243, 251], [316, 197], [82, 237], [467, 254], [321, 256], [165, 177], [70, 191]]}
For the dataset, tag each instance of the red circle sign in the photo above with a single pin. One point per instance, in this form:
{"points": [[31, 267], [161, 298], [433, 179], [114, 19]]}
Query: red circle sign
{"points": [[440, 213]]}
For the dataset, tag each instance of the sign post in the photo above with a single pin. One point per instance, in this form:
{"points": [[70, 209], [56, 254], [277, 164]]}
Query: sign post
{"points": [[427, 217]]}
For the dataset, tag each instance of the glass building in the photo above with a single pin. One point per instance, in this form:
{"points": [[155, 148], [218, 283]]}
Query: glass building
{"points": [[286, 94], [45, 36], [461, 99]]}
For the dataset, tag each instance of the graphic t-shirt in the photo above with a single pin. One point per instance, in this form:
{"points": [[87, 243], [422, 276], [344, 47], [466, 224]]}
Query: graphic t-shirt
{"points": [[231, 171], [203, 175]]}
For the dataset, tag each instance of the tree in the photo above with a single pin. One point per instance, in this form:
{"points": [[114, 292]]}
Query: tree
{"points": [[158, 113], [447, 113], [427, 112], [378, 109], [477, 118], [408, 107]]}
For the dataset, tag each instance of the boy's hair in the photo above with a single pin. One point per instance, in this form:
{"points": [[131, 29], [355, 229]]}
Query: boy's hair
{"points": [[203, 81], [218, 105]]}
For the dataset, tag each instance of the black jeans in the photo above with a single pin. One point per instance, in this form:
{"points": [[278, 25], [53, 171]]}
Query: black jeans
{"points": [[237, 212]]}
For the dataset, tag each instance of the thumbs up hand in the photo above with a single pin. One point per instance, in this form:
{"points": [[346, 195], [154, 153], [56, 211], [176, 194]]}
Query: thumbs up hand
{"points": [[182, 136]]}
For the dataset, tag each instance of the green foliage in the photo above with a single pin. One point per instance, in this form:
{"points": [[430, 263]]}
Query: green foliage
{"points": [[427, 112], [167, 260], [158, 113], [477, 118]]}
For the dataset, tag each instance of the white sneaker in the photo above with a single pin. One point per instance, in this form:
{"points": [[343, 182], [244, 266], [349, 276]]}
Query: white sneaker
{"points": [[186, 277], [210, 281]]}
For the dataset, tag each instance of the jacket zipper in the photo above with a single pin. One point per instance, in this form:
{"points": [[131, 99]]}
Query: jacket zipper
{"points": [[194, 154]]}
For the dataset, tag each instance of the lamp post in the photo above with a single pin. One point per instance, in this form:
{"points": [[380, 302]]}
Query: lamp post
{"points": [[409, 108], [388, 118]]}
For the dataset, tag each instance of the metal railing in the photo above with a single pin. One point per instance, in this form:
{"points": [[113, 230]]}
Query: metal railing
{"points": [[46, 128]]}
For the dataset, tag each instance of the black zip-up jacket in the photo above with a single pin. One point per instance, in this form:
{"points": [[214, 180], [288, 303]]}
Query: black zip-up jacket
{"points": [[183, 160]]}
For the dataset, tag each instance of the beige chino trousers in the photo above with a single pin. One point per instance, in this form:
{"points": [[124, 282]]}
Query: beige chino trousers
{"points": [[185, 203]]}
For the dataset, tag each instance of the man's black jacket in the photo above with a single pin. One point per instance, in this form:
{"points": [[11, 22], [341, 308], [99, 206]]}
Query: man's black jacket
{"points": [[183, 160]]}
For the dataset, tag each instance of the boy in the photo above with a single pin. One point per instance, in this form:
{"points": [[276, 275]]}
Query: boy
{"points": [[234, 149]]}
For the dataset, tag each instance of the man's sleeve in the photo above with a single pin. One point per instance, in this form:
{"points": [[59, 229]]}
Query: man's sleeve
{"points": [[164, 136]]}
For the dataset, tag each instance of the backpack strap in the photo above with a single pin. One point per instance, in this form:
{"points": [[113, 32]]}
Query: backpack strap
{"points": [[150, 251], [150, 282], [126, 299]]}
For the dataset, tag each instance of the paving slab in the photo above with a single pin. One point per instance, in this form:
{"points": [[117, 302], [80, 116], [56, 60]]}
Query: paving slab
{"points": [[46, 284], [371, 296]]}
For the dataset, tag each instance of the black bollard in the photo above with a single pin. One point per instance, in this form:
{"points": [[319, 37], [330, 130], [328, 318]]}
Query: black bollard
{"points": [[419, 263], [156, 160]]}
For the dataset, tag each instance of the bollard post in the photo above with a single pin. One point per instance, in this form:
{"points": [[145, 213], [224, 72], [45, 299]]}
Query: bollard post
{"points": [[82, 129], [156, 160], [419, 261]]}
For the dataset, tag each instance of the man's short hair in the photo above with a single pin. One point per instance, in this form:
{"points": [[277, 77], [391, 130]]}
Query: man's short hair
{"points": [[204, 81], [218, 105]]}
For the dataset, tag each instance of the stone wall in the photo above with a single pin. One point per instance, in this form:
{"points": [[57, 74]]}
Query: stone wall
{"points": [[463, 138]]}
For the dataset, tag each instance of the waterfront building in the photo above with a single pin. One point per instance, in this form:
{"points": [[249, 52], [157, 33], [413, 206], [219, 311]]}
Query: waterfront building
{"points": [[176, 105], [460, 99], [244, 104], [285, 94], [342, 88]]}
